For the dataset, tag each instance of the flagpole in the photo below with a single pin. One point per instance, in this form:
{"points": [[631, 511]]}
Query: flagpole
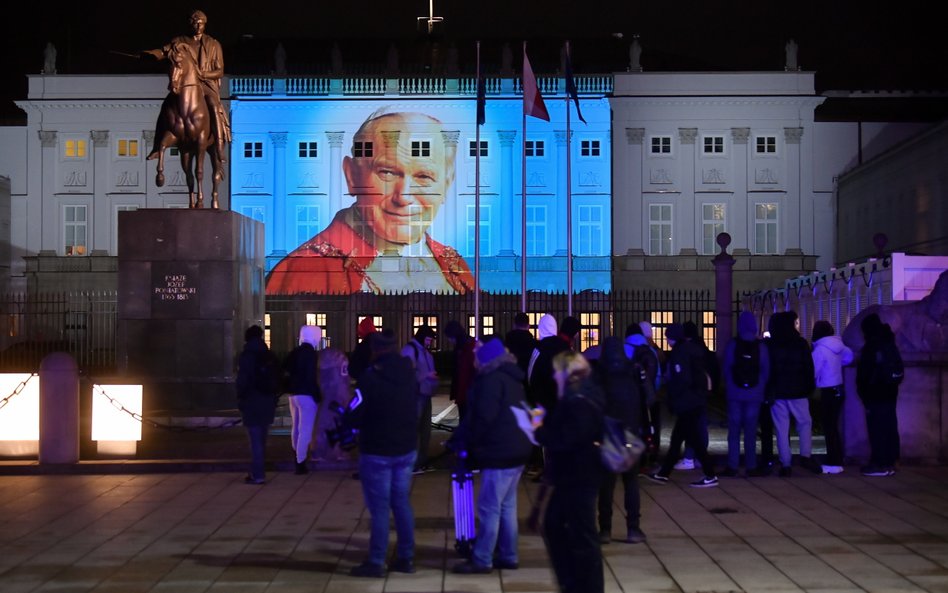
{"points": [[569, 209], [523, 201], [477, 209]]}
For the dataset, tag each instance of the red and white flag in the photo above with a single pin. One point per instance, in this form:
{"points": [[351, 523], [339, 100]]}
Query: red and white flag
{"points": [[532, 99]]}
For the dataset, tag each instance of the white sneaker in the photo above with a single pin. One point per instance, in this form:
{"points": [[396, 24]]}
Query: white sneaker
{"points": [[685, 463], [832, 469]]}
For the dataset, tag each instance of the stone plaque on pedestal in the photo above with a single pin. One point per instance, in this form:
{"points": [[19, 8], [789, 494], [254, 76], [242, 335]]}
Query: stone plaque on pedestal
{"points": [[190, 282]]}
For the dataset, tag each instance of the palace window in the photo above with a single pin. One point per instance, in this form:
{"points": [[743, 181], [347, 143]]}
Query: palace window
{"points": [[361, 149], [308, 150], [75, 148], [420, 148], [253, 150], [485, 230], [589, 148], [534, 148], [765, 229], [660, 229], [590, 230], [712, 145], [75, 230], [660, 145], [765, 145], [307, 223], [472, 149], [712, 225], [536, 230], [127, 148]]}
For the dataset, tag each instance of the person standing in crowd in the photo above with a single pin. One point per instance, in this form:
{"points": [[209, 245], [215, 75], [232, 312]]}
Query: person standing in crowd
{"points": [[258, 380], [878, 374], [830, 355], [463, 374], [362, 354], [637, 338], [688, 386], [569, 432], [746, 370], [543, 390], [622, 381], [300, 367], [387, 420], [713, 370], [520, 341], [416, 350], [791, 383], [495, 444], [334, 386]]}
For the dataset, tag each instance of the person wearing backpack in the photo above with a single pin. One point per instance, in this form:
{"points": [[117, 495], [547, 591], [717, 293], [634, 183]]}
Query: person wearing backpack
{"points": [[713, 371], [830, 355], [791, 383], [746, 370], [878, 374], [257, 392], [620, 379], [416, 350], [640, 352], [304, 395], [687, 398]]}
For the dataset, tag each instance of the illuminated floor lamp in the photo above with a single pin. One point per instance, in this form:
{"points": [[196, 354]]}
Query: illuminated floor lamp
{"points": [[19, 418], [116, 419]]}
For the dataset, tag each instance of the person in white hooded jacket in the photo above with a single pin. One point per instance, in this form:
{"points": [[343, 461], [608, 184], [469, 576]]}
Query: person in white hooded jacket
{"points": [[830, 355], [304, 394]]}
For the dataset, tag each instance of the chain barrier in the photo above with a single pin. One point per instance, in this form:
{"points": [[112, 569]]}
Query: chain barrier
{"points": [[16, 391], [158, 425]]}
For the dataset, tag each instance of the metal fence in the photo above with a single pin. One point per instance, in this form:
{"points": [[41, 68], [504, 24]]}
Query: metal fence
{"points": [[84, 323], [80, 323]]}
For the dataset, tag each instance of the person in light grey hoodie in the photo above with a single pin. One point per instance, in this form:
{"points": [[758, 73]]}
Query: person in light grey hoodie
{"points": [[830, 355]]}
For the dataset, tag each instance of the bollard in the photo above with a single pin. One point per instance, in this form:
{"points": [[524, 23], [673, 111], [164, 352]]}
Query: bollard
{"points": [[59, 409]]}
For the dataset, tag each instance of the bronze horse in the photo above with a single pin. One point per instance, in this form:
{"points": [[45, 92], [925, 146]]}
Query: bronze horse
{"points": [[185, 121]]}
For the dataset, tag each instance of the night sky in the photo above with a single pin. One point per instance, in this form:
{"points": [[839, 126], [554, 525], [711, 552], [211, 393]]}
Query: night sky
{"points": [[849, 45]]}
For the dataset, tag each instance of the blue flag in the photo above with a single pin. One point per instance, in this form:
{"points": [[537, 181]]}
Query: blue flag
{"points": [[571, 90]]}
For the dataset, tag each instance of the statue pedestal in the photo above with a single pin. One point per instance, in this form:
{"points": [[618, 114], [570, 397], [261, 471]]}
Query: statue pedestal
{"points": [[189, 283]]}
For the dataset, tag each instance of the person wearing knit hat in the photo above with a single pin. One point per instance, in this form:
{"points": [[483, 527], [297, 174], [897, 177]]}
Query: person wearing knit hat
{"points": [[496, 445], [361, 355], [304, 395], [687, 397]]}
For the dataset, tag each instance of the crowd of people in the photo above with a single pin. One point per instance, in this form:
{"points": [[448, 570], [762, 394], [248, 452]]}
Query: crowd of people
{"points": [[541, 403]]}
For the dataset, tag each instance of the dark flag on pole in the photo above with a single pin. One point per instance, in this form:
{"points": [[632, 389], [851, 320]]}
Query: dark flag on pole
{"points": [[571, 90]]}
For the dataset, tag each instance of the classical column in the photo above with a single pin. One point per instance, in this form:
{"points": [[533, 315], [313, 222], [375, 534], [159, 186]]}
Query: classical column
{"points": [[335, 172], [278, 141], [101, 218], [508, 209], [799, 211], [49, 179], [447, 223], [738, 215], [684, 218], [557, 222]]}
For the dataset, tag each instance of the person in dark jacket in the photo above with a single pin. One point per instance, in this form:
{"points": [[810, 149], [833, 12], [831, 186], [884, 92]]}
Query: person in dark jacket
{"points": [[543, 390], [688, 386], [361, 355], [790, 385], [257, 382], [713, 370], [520, 342], [500, 449], [463, 374], [387, 420], [744, 396], [621, 380], [303, 389], [879, 394], [569, 433]]}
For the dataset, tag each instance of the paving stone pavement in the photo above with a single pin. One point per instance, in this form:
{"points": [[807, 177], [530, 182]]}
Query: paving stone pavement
{"points": [[210, 532]]}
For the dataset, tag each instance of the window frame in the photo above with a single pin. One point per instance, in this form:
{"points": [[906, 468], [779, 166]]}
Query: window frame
{"points": [[129, 141], [590, 148], [670, 223], [766, 153], [534, 149], [706, 222], [310, 148], [767, 223], [85, 226], [662, 153], [255, 147], [714, 153], [81, 149], [472, 148]]}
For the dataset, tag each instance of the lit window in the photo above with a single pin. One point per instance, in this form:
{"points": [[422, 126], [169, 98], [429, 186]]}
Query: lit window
{"points": [[75, 149], [765, 145], [127, 148], [765, 229], [307, 223], [709, 328], [266, 328], [712, 225], [661, 145], [589, 148], [420, 148], [361, 149], [713, 145], [660, 229], [589, 330], [253, 150], [485, 230], [536, 230], [534, 148], [534, 322], [487, 326], [660, 320], [472, 148], [75, 230], [590, 230], [308, 150], [430, 320]]}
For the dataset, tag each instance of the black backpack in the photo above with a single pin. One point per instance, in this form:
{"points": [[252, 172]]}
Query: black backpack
{"points": [[745, 370], [889, 369]]}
